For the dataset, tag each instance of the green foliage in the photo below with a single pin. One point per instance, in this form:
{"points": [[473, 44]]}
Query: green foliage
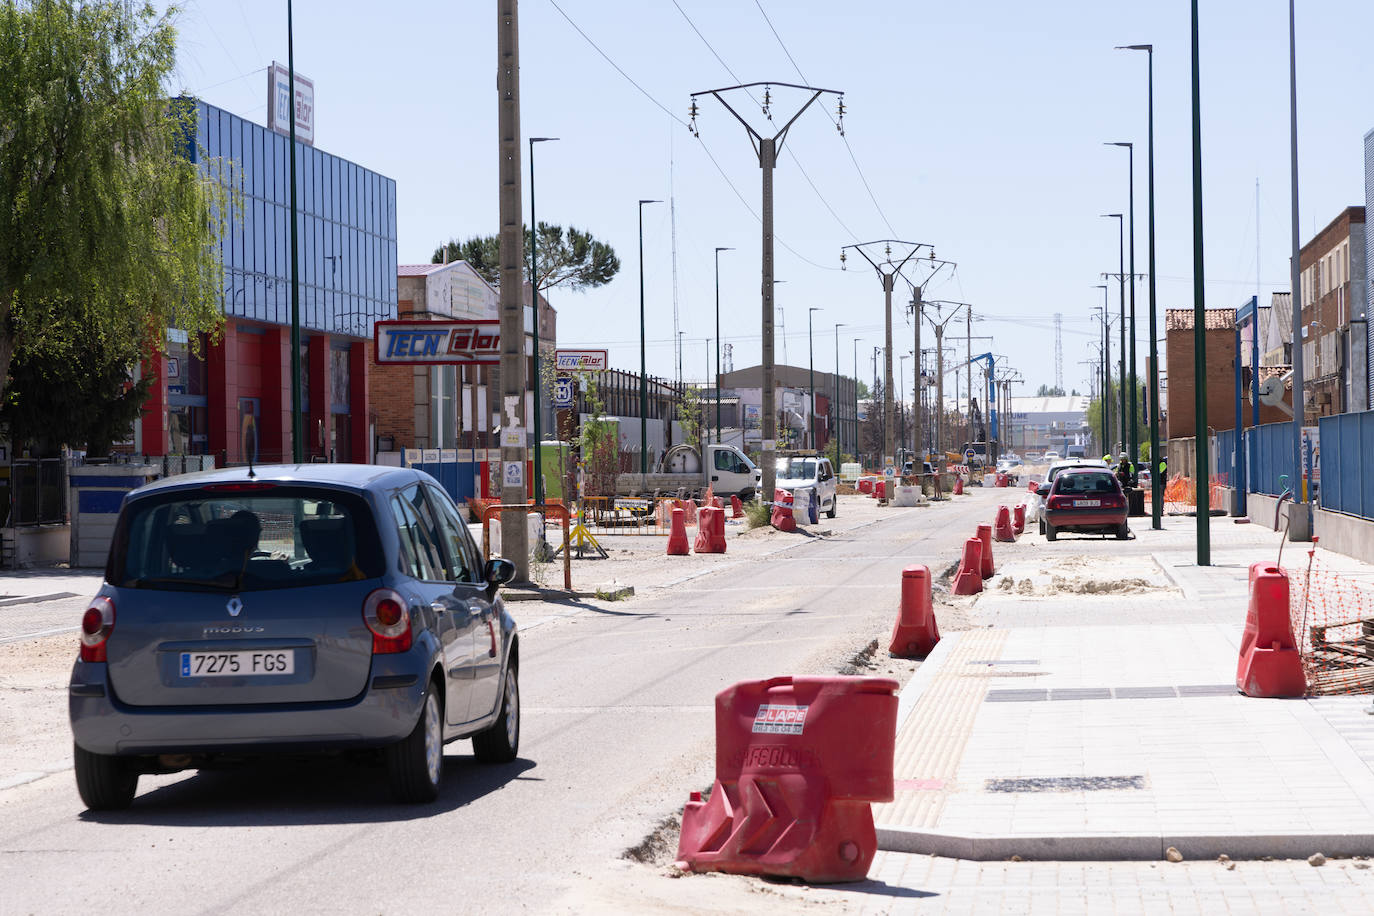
{"points": [[757, 514], [83, 398], [1049, 391], [598, 441], [690, 415], [573, 259], [863, 390], [1094, 418], [107, 229]]}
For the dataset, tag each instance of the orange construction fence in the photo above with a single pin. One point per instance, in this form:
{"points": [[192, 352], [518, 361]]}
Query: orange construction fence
{"points": [[557, 510]]}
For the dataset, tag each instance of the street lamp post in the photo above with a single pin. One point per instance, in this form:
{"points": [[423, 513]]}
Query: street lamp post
{"points": [[1130, 360], [856, 400], [1106, 371], [1204, 507], [811, 363], [534, 301], [1156, 482], [835, 422], [1121, 279], [297, 424], [643, 362], [718, 251]]}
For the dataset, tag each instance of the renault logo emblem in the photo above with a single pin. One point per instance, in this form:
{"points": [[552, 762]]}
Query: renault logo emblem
{"points": [[234, 606]]}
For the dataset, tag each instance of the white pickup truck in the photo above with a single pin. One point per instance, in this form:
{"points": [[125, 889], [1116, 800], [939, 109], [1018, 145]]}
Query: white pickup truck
{"points": [[810, 471], [726, 471]]}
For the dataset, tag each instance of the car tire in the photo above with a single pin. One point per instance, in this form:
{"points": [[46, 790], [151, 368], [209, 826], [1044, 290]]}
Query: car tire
{"points": [[1050, 533], [415, 764], [106, 782], [1042, 527], [834, 507], [1124, 532], [501, 742]]}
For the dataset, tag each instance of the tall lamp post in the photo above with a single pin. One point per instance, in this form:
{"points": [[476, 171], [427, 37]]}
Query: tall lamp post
{"points": [[534, 300], [1204, 507], [1156, 482], [1121, 279], [856, 400], [297, 424], [1106, 371], [835, 423], [643, 363], [718, 251], [811, 364], [1130, 375]]}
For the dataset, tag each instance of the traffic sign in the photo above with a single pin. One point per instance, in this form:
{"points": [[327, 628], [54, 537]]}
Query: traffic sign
{"points": [[564, 392]]}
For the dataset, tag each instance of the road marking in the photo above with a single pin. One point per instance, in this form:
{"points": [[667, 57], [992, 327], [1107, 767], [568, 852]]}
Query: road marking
{"points": [[20, 779], [34, 599], [38, 634]]}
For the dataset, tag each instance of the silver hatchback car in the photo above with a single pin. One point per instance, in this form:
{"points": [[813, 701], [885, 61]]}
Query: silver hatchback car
{"points": [[286, 609]]}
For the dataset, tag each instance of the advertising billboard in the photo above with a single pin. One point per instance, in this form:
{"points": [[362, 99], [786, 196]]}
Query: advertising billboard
{"points": [[279, 104], [581, 360], [437, 343]]}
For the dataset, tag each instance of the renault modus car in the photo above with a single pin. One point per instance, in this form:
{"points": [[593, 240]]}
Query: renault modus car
{"points": [[292, 609], [1088, 500]]}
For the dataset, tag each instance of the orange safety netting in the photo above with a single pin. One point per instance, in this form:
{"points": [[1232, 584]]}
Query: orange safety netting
{"points": [[1333, 624], [1180, 495]]}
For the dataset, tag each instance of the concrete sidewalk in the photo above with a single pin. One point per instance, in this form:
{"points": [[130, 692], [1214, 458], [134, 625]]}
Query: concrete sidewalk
{"points": [[1118, 734]]}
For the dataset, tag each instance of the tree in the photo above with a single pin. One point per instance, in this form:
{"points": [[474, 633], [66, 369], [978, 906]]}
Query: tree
{"points": [[84, 398], [574, 260], [107, 229], [1049, 391], [862, 390], [689, 416]]}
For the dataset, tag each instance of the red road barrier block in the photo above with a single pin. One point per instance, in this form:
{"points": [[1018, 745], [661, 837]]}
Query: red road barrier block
{"points": [[711, 531], [1270, 664], [985, 535], [1001, 480], [915, 632], [968, 579], [782, 517], [798, 762], [677, 537], [880, 489], [1018, 518], [736, 507], [958, 486], [866, 485], [717, 502], [1001, 528]]}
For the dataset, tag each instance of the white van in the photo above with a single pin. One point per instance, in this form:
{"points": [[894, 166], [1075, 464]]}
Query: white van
{"points": [[810, 471]]}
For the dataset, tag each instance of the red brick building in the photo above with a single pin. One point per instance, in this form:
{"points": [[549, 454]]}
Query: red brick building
{"points": [[1333, 271], [1180, 396]]}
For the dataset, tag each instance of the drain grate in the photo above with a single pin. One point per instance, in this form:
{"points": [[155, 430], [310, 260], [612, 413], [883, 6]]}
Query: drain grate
{"points": [[1109, 693], [1066, 784]]}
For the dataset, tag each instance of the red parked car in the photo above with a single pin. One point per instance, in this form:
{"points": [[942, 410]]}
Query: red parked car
{"points": [[1087, 500]]}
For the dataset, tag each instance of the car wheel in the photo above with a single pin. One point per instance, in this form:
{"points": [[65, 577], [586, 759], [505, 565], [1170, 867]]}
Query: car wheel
{"points": [[106, 782], [1042, 527], [834, 507], [415, 764], [501, 742], [1124, 532], [1050, 533]]}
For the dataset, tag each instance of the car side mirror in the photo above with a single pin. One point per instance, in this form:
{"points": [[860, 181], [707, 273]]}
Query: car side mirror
{"points": [[498, 571]]}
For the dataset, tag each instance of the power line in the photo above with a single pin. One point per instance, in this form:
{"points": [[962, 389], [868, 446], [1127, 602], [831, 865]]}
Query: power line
{"points": [[669, 112], [871, 196]]}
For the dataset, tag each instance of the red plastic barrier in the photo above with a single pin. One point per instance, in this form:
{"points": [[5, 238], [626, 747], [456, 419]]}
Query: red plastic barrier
{"points": [[677, 537], [1018, 519], [880, 489], [717, 502], [985, 535], [711, 531], [798, 761], [1001, 480], [782, 517], [968, 580], [736, 507], [1001, 529], [1270, 664], [866, 485], [915, 632], [958, 485]]}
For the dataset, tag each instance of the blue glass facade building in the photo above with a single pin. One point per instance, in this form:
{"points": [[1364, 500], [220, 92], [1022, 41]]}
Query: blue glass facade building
{"points": [[236, 401]]}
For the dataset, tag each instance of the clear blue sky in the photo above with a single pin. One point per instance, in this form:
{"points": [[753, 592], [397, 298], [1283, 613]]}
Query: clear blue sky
{"points": [[978, 127]]}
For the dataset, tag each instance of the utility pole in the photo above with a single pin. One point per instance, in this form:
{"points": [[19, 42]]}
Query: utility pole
{"points": [[939, 326], [514, 533], [534, 300], [767, 150], [888, 273]]}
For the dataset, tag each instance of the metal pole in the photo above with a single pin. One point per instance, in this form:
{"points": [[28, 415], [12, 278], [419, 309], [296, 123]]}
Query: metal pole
{"points": [[856, 400], [643, 365], [534, 301], [1121, 281], [1204, 506], [811, 361], [718, 251], [514, 532], [1156, 480], [835, 402], [297, 423], [916, 439], [1295, 268], [1131, 375]]}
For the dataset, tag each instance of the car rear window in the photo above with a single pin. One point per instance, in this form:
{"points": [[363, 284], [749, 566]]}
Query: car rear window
{"points": [[277, 537], [1096, 483]]}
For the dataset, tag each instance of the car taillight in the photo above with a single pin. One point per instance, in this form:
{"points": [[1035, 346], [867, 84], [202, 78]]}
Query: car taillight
{"points": [[1055, 502], [386, 616], [96, 626]]}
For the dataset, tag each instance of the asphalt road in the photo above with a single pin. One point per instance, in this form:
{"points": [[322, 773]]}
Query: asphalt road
{"points": [[617, 730]]}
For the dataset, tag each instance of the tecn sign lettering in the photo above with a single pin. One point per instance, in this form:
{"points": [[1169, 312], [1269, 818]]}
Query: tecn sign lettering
{"points": [[437, 343]]}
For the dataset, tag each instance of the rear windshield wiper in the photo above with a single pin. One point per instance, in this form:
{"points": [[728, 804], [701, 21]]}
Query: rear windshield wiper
{"points": [[223, 582]]}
